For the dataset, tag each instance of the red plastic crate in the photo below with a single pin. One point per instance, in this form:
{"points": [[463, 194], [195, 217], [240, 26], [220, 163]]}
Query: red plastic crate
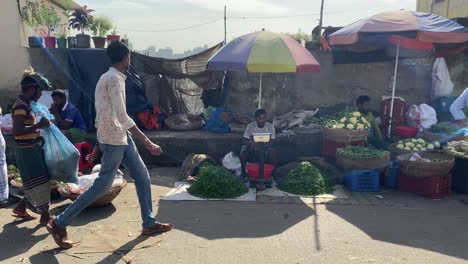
{"points": [[329, 147], [437, 187]]}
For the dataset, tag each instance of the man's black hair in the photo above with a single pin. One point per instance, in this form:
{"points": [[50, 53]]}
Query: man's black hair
{"points": [[34, 80], [117, 51], [59, 93], [260, 112], [362, 99]]}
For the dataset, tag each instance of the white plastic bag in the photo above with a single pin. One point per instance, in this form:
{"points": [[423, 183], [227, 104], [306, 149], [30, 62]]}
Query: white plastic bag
{"points": [[422, 116], [232, 163], [441, 83]]}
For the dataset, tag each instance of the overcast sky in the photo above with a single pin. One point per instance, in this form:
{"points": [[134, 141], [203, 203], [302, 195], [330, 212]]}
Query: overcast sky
{"points": [[142, 19]]}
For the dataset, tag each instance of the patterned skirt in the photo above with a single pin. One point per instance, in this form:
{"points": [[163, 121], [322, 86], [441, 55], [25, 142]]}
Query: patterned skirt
{"points": [[35, 176]]}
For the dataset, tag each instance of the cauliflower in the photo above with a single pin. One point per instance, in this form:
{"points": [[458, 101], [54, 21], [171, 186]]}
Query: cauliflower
{"points": [[365, 121], [415, 148], [400, 146], [353, 120], [430, 146], [340, 126], [407, 148], [421, 141], [409, 144], [350, 126], [419, 146], [436, 144], [414, 140], [360, 126], [424, 149], [356, 114], [343, 120]]}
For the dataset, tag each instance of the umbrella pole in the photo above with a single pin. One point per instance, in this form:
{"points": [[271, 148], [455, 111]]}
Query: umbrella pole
{"points": [[390, 121], [260, 92]]}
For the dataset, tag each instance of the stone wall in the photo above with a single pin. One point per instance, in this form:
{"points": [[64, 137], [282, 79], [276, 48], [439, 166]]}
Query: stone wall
{"points": [[335, 84]]}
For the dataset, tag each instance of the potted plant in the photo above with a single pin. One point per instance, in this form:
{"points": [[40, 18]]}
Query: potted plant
{"points": [[80, 19], [51, 20], [100, 26], [125, 39], [62, 41], [114, 36], [30, 16]]}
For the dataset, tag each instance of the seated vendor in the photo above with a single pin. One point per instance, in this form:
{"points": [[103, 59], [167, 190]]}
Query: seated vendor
{"points": [[68, 118], [249, 149], [375, 137]]}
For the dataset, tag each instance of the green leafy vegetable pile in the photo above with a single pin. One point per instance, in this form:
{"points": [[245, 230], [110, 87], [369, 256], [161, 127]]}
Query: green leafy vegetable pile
{"points": [[215, 182], [306, 180], [312, 120], [444, 127], [361, 153]]}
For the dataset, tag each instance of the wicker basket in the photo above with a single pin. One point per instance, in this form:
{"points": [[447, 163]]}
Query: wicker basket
{"points": [[398, 152], [341, 135], [429, 136], [350, 164], [421, 169], [191, 163], [104, 200], [184, 122]]}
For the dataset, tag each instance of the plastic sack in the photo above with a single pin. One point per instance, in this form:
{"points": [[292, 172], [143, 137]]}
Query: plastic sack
{"points": [[61, 156], [232, 163], [441, 83], [422, 116]]}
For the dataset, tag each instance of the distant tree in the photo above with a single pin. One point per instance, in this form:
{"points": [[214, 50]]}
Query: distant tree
{"points": [[299, 36]]}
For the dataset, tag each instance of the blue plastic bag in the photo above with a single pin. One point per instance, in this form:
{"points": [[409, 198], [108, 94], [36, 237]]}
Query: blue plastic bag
{"points": [[61, 156]]}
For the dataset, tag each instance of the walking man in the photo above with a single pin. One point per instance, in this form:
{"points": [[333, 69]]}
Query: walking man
{"points": [[117, 147]]}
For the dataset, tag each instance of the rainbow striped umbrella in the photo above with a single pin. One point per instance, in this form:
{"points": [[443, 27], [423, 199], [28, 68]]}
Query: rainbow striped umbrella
{"points": [[264, 52]]}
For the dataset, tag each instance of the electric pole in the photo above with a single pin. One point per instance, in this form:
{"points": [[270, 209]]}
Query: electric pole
{"points": [[225, 30], [321, 18]]}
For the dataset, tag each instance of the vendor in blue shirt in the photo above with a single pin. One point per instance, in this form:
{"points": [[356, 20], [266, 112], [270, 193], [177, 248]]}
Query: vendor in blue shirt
{"points": [[68, 118]]}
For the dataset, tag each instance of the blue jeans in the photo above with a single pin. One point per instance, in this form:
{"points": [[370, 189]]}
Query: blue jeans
{"points": [[112, 157]]}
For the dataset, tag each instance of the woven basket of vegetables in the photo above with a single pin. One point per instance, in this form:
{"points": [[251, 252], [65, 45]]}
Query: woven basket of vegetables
{"points": [[441, 131], [457, 149], [434, 164], [349, 128], [412, 145], [362, 158]]}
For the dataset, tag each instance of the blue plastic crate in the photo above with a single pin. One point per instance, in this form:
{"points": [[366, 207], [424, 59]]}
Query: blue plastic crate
{"points": [[391, 180], [362, 180]]}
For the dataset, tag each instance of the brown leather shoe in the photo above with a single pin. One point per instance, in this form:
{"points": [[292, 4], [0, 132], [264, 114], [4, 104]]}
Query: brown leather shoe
{"points": [[156, 229]]}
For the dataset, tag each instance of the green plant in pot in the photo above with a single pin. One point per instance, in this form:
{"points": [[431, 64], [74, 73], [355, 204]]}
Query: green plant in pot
{"points": [[81, 19], [113, 36], [62, 41], [100, 26], [36, 14]]}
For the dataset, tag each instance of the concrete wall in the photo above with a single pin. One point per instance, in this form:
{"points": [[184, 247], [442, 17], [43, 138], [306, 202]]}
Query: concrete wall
{"points": [[13, 56], [335, 84], [446, 8]]}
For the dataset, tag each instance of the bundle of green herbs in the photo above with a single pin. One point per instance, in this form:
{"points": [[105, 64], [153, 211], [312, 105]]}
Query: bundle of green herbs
{"points": [[215, 182], [306, 180], [361, 153], [444, 127]]}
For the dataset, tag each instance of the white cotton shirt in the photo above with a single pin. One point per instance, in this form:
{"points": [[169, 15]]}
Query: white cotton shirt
{"points": [[456, 109], [112, 120], [253, 128]]}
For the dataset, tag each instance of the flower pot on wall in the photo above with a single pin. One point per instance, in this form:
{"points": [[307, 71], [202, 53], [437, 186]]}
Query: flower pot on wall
{"points": [[99, 42], [71, 42], [83, 41], [50, 42], [111, 38], [35, 42], [62, 43]]}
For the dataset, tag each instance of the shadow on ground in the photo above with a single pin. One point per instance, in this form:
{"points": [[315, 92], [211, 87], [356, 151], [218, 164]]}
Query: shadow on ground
{"points": [[88, 215], [438, 226], [214, 220], [15, 234]]}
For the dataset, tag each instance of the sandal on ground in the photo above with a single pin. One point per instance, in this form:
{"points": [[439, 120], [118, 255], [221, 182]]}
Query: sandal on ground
{"points": [[44, 223], [59, 235], [24, 216], [156, 229]]}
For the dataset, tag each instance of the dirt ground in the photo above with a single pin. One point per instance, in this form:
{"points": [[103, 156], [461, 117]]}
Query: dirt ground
{"points": [[389, 227]]}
